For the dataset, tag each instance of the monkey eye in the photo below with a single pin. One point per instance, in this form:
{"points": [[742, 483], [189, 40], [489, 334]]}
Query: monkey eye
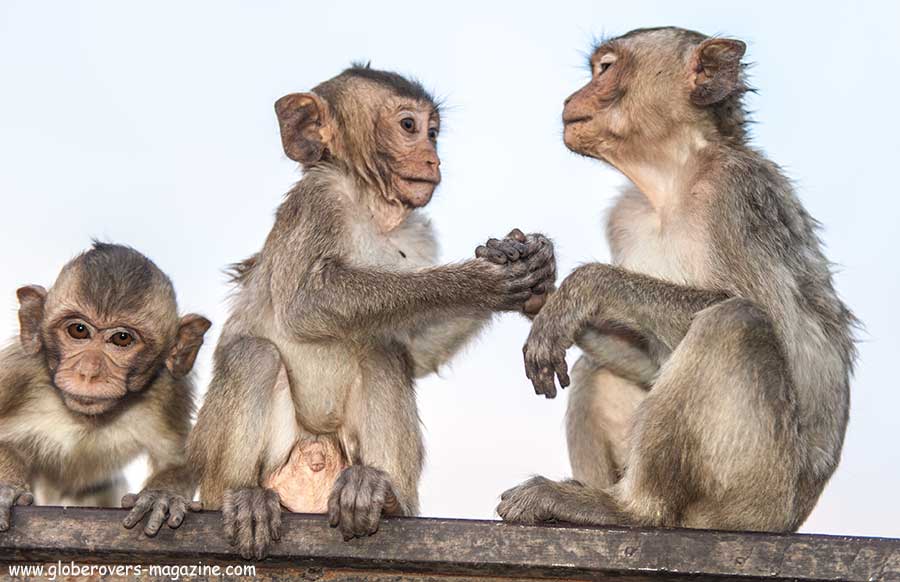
{"points": [[433, 134], [78, 331], [605, 62], [408, 124], [123, 339]]}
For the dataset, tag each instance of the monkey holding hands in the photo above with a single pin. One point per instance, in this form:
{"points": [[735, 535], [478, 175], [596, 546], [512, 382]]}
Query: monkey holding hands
{"points": [[99, 376], [312, 402], [714, 387]]}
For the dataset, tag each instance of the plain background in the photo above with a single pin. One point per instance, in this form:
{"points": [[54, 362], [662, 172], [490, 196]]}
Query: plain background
{"points": [[151, 124]]}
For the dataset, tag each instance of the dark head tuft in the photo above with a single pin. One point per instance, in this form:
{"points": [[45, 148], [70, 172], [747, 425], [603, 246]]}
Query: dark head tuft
{"points": [[394, 82], [117, 279]]}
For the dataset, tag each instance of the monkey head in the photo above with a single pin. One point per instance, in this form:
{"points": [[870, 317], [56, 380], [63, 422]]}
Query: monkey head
{"points": [[651, 83], [376, 125], [107, 327]]}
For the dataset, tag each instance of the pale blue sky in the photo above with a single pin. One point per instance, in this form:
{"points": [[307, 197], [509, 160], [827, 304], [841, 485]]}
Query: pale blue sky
{"points": [[152, 124]]}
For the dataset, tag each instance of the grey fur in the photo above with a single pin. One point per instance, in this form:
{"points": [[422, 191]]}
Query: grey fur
{"points": [[334, 318], [747, 348]]}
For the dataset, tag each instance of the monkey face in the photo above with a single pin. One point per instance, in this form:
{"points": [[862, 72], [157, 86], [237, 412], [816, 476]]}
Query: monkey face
{"points": [[407, 140], [590, 118], [648, 85], [375, 124], [96, 363], [107, 327]]}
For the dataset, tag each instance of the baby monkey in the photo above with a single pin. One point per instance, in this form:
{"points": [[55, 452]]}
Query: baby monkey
{"points": [[312, 403], [99, 376]]}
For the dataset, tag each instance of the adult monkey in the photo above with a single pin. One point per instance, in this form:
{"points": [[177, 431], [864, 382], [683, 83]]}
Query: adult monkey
{"points": [[714, 388], [312, 402], [98, 377]]}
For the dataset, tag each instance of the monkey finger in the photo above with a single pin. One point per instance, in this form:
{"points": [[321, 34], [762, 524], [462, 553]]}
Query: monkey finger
{"points": [[512, 249], [382, 498], [562, 372], [547, 382], [25, 498], [128, 500], [244, 529], [492, 255], [141, 508], [348, 510], [5, 516], [195, 506], [261, 531], [229, 517], [334, 501], [157, 516], [517, 235], [177, 509], [273, 504]]}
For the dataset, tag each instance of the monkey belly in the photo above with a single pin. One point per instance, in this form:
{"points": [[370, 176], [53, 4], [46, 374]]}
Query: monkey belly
{"points": [[305, 481], [312, 367]]}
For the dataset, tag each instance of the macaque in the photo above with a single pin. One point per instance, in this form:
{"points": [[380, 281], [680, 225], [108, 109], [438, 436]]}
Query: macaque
{"points": [[312, 404], [714, 387], [99, 376]]}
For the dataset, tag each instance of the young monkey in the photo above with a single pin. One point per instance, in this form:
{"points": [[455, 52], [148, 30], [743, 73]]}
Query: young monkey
{"points": [[99, 376], [714, 387], [312, 403]]}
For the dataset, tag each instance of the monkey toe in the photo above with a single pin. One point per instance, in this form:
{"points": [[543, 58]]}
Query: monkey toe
{"points": [[517, 235], [527, 503]]}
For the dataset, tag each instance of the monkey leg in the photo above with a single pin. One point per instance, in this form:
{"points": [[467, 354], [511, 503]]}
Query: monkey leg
{"points": [[600, 412], [244, 423], [382, 423], [714, 444]]}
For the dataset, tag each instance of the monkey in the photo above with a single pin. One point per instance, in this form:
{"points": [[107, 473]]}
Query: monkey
{"points": [[713, 390], [312, 402], [99, 376]]}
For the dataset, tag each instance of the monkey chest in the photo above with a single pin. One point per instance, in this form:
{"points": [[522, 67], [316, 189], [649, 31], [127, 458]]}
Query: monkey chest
{"points": [[667, 249], [79, 456], [410, 246]]}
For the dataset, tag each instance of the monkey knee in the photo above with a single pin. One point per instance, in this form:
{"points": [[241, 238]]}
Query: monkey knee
{"points": [[734, 314], [736, 325]]}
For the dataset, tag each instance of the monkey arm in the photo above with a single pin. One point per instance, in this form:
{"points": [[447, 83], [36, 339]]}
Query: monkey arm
{"points": [[346, 300], [602, 295]]}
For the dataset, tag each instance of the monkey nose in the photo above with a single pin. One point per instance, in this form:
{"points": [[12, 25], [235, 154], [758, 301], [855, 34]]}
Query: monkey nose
{"points": [[89, 369], [88, 374]]}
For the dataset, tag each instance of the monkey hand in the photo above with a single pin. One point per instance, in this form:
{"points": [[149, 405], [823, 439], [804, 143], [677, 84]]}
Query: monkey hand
{"points": [[12, 495], [359, 497], [512, 284], [160, 504], [517, 246], [545, 354], [252, 519]]}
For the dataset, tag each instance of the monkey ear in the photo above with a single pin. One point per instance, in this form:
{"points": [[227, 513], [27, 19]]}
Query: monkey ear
{"points": [[187, 344], [716, 70], [31, 315], [305, 122]]}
